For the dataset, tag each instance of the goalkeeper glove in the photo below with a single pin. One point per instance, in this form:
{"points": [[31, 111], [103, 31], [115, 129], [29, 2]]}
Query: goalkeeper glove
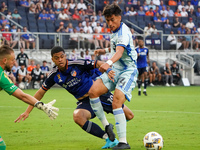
{"points": [[48, 109]]}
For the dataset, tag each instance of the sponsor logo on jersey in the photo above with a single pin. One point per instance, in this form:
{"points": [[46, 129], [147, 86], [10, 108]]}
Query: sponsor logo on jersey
{"points": [[59, 78]]}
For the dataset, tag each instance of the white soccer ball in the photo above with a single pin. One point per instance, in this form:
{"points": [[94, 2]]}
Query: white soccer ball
{"points": [[22, 85], [153, 141]]}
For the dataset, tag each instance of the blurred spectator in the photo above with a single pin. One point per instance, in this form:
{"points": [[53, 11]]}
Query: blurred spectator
{"points": [[175, 73], [174, 44], [4, 7], [188, 7], [100, 15], [188, 39], [81, 4], [31, 66], [72, 5], [170, 12], [130, 2], [45, 68], [23, 76], [66, 10], [79, 27], [101, 21], [61, 28], [81, 55], [141, 11], [167, 25], [93, 23], [51, 15], [98, 27], [181, 39], [104, 57], [87, 55], [28, 38], [191, 13], [15, 68], [176, 22], [157, 18], [64, 4], [145, 6], [89, 10], [7, 36], [23, 3], [73, 39], [86, 20], [4, 21], [198, 12], [154, 73], [104, 29], [177, 13], [194, 2], [40, 3], [163, 11], [190, 24], [58, 3], [93, 16], [69, 28], [82, 39], [11, 76], [88, 39], [196, 41], [181, 6], [148, 30], [98, 39], [76, 15], [168, 75], [156, 10], [32, 9], [126, 11], [49, 7], [132, 12], [9, 15], [148, 2], [56, 9], [162, 5], [133, 36], [88, 28], [63, 16], [16, 37], [22, 58], [16, 15], [149, 12], [43, 15], [163, 18], [37, 75], [179, 2], [151, 5], [154, 30], [73, 55], [106, 39], [172, 3], [83, 15], [137, 7], [194, 30], [156, 2], [182, 29]]}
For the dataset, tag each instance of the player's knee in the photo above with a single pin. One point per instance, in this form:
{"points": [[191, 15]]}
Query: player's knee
{"points": [[2, 145], [93, 93], [79, 118]]}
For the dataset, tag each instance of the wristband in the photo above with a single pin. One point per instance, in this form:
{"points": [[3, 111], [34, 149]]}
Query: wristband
{"points": [[107, 50], [108, 70], [109, 62]]}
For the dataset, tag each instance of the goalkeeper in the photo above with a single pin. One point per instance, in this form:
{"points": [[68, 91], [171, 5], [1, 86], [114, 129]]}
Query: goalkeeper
{"points": [[7, 59], [77, 78]]}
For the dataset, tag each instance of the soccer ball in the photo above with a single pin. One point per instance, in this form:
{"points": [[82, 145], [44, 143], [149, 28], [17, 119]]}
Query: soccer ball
{"points": [[153, 141], [22, 85]]}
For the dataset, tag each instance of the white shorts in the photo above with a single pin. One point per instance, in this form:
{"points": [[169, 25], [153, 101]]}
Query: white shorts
{"points": [[125, 81]]}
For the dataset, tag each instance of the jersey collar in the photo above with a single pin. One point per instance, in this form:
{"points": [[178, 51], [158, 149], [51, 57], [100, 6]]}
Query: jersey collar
{"points": [[118, 28]]}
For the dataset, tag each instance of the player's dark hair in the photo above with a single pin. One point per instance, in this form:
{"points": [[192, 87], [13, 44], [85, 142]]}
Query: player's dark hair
{"points": [[112, 9], [5, 50], [56, 49]]}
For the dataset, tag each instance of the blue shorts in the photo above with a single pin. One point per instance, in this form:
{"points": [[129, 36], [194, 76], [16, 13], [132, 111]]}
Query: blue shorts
{"points": [[106, 101], [142, 70]]}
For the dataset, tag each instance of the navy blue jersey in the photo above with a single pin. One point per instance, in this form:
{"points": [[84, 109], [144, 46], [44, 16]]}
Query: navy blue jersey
{"points": [[142, 58], [77, 79], [46, 68]]}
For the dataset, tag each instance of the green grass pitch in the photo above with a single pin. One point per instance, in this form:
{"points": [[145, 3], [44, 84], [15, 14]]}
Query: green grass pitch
{"points": [[174, 112]]}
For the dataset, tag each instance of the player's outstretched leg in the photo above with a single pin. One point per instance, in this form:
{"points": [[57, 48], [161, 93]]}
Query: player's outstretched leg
{"points": [[2, 144], [109, 131], [110, 144]]}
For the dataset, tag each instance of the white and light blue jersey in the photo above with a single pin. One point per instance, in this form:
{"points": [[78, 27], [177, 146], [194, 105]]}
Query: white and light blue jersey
{"points": [[123, 37]]}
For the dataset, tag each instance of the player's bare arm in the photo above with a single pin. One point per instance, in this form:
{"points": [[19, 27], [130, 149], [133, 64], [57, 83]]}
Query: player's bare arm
{"points": [[101, 51]]}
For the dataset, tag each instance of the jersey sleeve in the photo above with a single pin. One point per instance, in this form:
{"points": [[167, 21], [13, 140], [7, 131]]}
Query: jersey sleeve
{"points": [[85, 64], [49, 82], [7, 84]]}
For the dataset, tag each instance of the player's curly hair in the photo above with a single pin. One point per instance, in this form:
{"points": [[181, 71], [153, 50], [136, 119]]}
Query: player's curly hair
{"points": [[112, 9], [56, 49], [5, 50]]}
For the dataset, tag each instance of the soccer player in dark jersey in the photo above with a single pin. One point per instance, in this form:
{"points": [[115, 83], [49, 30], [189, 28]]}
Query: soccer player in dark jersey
{"points": [[22, 58], [142, 64], [77, 78], [7, 60]]}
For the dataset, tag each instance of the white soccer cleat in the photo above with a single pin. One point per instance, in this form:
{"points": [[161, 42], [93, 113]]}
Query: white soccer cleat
{"points": [[151, 84], [173, 84], [167, 84]]}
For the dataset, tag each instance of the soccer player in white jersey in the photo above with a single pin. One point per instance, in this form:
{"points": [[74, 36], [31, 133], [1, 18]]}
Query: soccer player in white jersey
{"points": [[124, 67]]}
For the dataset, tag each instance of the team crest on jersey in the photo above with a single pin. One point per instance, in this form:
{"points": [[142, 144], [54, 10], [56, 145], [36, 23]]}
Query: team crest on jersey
{"points": [[145, 50], [59, 78], [73, 73]]}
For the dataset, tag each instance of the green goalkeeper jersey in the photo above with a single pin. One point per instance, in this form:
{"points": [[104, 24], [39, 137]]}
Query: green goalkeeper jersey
{"points": [[6, 83]]}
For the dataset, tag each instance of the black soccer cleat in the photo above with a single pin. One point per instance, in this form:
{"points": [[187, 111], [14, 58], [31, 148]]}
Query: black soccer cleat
{"points": [[122, 146], [145, 93], [139, 93], [109, 131]]}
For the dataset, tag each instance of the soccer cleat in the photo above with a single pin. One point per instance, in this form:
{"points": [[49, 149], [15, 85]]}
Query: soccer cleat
{"points": [[139, 93], [167, 84], [110, 144], [151, 84], [173, 84], [109, 131], [122, 146], [145, 93]]}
